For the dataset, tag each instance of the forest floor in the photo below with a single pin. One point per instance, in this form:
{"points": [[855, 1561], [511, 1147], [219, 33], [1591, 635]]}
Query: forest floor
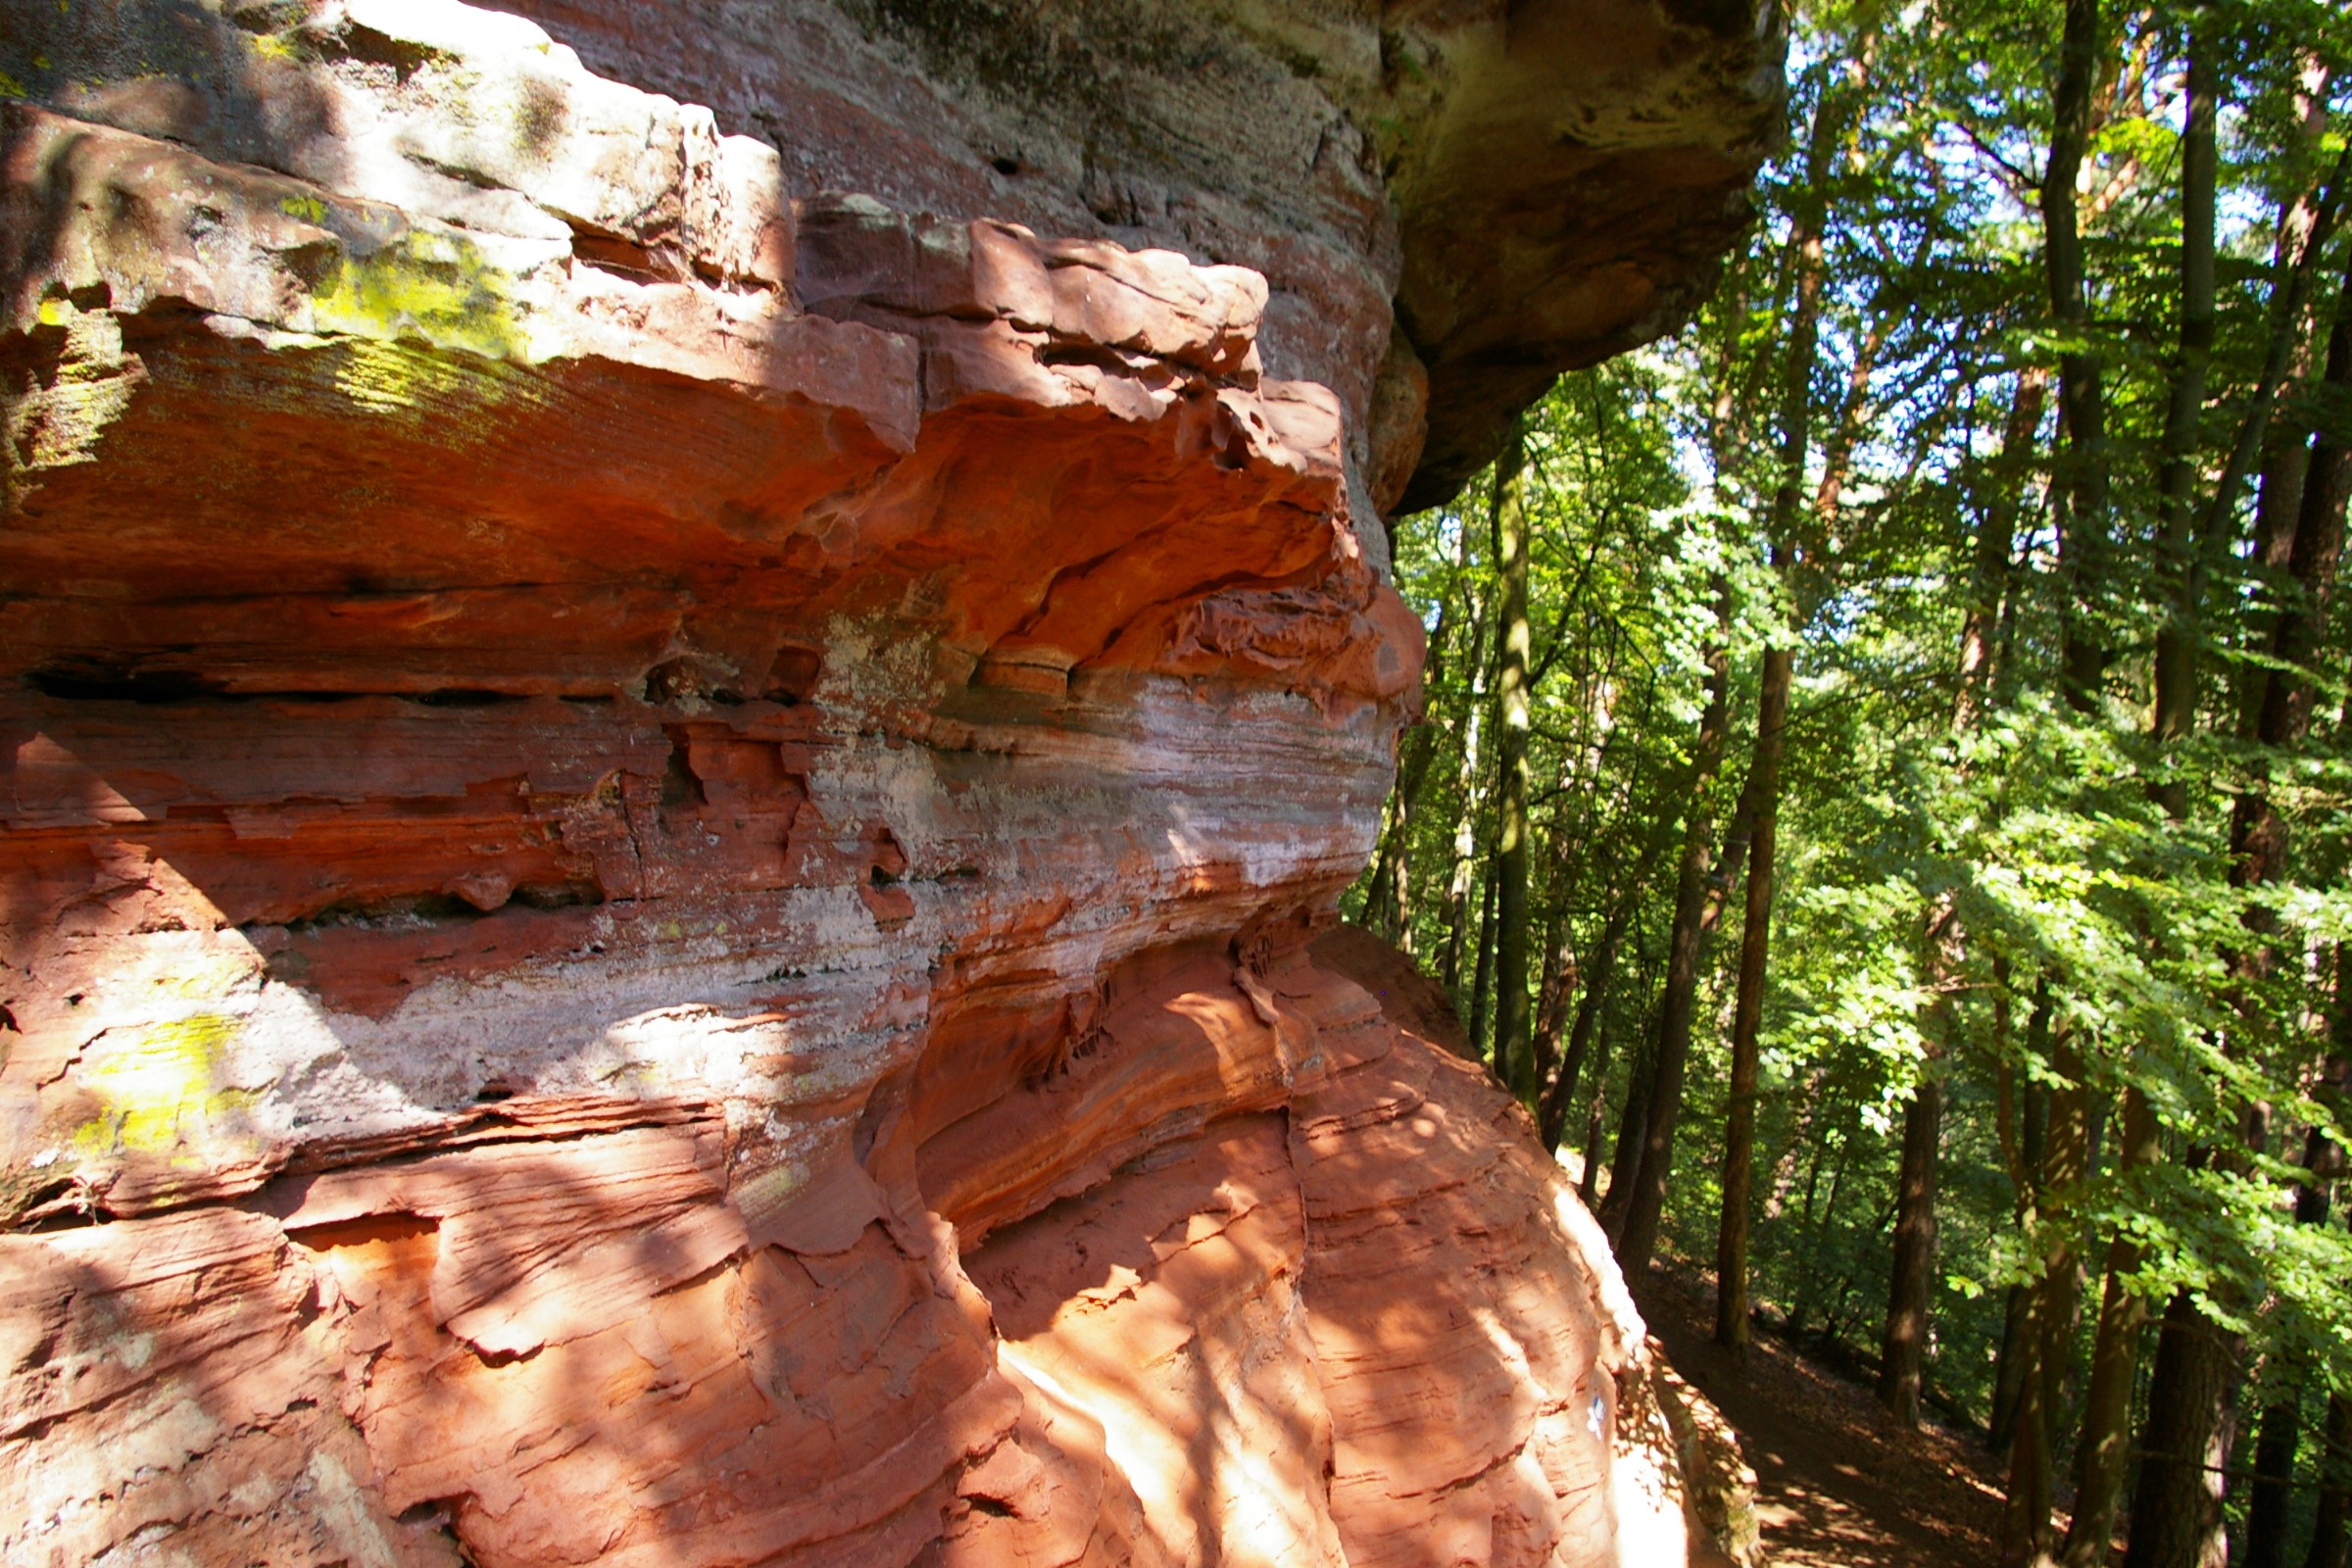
{"points": [[1838, 1486]]}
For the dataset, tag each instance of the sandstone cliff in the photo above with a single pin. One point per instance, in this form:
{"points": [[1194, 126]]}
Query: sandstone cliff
{"points": [[684, 685]]}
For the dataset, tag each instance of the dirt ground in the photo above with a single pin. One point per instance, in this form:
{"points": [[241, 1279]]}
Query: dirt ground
{"points": [[1838, 1484]]}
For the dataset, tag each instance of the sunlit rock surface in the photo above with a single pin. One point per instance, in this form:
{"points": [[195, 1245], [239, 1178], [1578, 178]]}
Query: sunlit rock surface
{"points": [[673, 770]]}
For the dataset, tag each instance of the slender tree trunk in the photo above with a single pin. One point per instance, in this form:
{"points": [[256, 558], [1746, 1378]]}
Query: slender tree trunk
{"points": [[1815, 1222], [1911, 1273], [1807, 265], [2331, 1531], [2306, 222], [1637, 1236], [1555, 983], [2178, 562], [2083, 666], [2018, 1358], [1597, 1121], [2280, 1436], [2271, 1494], [2025, 1534], [1481, 984], [2103, 1457], [2010, 1365], [1598, 973], [1747, 1012], [2026, 1509], [1514, 1053], [1911, 1278], [2082, 388], [1458, 927], [1633, 1122], [1390, 893]]}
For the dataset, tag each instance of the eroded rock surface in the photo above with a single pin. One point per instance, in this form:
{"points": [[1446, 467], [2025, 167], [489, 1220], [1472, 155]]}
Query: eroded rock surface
{"points": [[673, 770]]}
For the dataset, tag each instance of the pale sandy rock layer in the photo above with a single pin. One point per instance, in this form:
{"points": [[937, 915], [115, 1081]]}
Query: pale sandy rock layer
{"points": [[672, 772]]}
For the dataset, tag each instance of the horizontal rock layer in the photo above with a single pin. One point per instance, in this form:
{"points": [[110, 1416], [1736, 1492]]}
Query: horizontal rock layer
{"points": [[664, 825]]}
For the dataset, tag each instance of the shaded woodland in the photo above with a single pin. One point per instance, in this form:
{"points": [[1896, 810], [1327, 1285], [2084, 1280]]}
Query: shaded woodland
{"points": [[1882, 796]]}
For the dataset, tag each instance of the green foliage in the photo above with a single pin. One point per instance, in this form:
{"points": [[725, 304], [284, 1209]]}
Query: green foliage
{"points": [[2081, 888]]}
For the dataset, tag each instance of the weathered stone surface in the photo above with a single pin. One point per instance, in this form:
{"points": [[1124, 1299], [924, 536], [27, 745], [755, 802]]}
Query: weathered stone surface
{"points": [[1517, 188], [670, 774]]}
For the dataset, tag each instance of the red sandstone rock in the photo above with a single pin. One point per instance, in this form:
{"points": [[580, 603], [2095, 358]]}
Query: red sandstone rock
{"points": [[662, 824]]}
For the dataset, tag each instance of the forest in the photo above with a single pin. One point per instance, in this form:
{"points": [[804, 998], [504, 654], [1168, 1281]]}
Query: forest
{"points": [[1881, 796]]}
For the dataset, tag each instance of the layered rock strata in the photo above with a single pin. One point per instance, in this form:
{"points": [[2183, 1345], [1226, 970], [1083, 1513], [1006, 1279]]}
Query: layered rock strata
{"points": [[667, 819]]}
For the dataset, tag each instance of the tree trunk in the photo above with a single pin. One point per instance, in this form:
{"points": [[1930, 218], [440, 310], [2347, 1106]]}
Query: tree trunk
{"points": [[1390, 892], [2025, 1534], [1597, 1121], [2281, 1438], [1637, 1236], [2177, 1509], [2307, 220], [1812, 1226], [2178, 565], [2010, 1365], [1910, 1291], [1598, 973], [2272, 1493], [1747, 1013], [1459, 925], [2331, 1531], [2025, 1506], [2082, 391], [1911, 1281], [2103, 1456], [1625, 1163], [1514, 1054], [1481, 984], [2017, 1357]]}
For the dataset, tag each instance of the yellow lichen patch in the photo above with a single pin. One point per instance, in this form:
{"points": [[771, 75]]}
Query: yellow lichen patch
{"points": [[211, 976], [382, 376], [429, 287], [160, 1091], [60, 423], [309, 209]]}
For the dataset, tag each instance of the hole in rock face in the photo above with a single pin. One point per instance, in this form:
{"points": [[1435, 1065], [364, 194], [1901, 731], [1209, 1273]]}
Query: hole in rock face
{"points": [[468, 697], [677, 681], [886, 856], [416, 909], [99, 683], [681, 786], [1007, 167], [792, 679], [559, 894]]}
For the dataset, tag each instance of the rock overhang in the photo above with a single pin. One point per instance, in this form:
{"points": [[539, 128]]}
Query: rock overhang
{"points": [[630, 740]]}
